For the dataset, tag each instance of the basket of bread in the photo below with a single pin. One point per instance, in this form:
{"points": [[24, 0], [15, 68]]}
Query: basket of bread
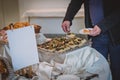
{"points": [[7, 72], [17, 25]]}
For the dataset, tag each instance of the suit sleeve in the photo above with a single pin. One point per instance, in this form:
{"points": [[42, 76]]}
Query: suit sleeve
{"points": [[72, 9]]}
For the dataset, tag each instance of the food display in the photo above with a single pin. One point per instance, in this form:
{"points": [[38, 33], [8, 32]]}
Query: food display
{"points": [[26, 72], [16, 25], [62, 44], [70, 35], [21, 25]]}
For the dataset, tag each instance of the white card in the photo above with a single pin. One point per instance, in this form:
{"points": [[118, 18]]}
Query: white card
{"points": [[23, 47]]}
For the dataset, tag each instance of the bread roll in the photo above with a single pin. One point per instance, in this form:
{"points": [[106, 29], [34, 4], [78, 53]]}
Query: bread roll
{"points": [[3, 68]]}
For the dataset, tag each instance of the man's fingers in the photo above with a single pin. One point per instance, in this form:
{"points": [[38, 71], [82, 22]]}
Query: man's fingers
{"points": [[66, 26]]}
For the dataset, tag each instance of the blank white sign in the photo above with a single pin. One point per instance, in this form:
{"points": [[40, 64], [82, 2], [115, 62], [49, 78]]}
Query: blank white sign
{"points": [[23, 47]]}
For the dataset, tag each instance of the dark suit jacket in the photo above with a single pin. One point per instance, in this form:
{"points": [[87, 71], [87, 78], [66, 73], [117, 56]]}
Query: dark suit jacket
{"points": [[110, 23]]}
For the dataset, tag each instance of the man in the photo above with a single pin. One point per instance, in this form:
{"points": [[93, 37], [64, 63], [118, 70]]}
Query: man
{"points": [[104, 17]]}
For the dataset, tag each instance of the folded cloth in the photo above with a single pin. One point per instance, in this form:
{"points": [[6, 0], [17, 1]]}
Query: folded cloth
{"points": [[40, 38], [68, 77], [5, 51], [80, 60], [43, 70]]}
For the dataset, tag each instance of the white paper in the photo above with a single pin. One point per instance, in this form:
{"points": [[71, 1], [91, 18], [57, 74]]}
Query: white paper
{"points": [[23, 47]]}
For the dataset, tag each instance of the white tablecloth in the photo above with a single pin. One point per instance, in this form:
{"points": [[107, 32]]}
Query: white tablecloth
{"points": [[82, 62], [85, 59]]}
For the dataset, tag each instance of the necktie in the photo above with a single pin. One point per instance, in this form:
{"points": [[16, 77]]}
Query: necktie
{"points": [[96, 11]]}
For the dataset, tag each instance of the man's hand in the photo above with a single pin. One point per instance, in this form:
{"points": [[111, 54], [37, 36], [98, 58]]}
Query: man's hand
{"points": [[66, 26], [96, 31]]}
